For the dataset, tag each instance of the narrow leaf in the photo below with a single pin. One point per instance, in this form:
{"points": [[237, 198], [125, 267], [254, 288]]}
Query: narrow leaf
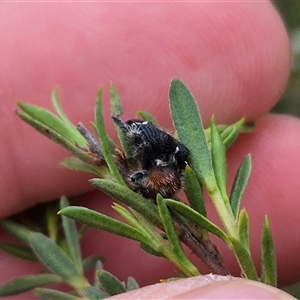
{"points": [[51, 121], [56, 137], [100, 221], [56, 260], [193, 191], [197, 218], [150, 250], [243, 227], [93, 293], [231, 132], [269, 269], [218, 159], [90, 262], [115, 102], [292, 289], [51, 222], [49, 294], [19, 251], [132, 284], [111, 145], [190, 130], [65, 119], [104, 142], [71, 234], [17, 230], [128, 216], [147, 117], [110, 283], [76, 164], [117, 110], [27, 283], [130, 198], [155, 242], [98, 267], [173, 238], [244, 259], [239, 185]]}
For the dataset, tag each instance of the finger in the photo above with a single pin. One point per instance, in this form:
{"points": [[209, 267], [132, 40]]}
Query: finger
{"points": [[207, 287], [215, 49], [81, 47]]}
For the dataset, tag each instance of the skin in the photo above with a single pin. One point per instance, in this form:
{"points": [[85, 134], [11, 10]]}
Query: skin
{"points": [[234, 57]]}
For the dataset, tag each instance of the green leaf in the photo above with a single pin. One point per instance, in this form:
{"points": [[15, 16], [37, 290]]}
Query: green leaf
{"points": [[56, 260], [130, 198], [115, 102], [173, 238], [148, 249], [111, 145], [292, 289], [239, 185], [243, 227], [117, 110], [49, 294], [269, 270], [110, 283], [18, 231], [93, 293], [76, 164], [90, 262], [98, 267], [52, 122], [71, 234], [197, 218], [57, 137], [104, 141], [218, 159], [65, 119], [140, 223], [128, 216], [51, 221], [244, 259], [27, 283], [100, 221], [131, 284], [190, 130], [147, 117], [19, 251], [193, 191], [231, 132]]}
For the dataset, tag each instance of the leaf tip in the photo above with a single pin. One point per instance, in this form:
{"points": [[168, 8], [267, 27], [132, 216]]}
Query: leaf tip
{"points": [[55, 92]]}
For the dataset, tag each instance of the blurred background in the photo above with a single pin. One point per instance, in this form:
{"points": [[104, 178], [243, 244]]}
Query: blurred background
{"points": [[290, 102]]}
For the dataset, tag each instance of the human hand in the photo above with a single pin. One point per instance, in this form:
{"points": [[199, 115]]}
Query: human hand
{"points": [[234, 57]]}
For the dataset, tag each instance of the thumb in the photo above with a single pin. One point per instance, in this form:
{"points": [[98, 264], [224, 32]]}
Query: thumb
{"points": [[207, 287]]}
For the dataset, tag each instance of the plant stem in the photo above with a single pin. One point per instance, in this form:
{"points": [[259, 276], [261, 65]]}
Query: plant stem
{"points": [[224, 211], [210, 258]]}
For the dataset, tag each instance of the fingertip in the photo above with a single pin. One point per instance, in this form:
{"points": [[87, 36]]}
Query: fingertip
{"points": [[207, 287]]}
